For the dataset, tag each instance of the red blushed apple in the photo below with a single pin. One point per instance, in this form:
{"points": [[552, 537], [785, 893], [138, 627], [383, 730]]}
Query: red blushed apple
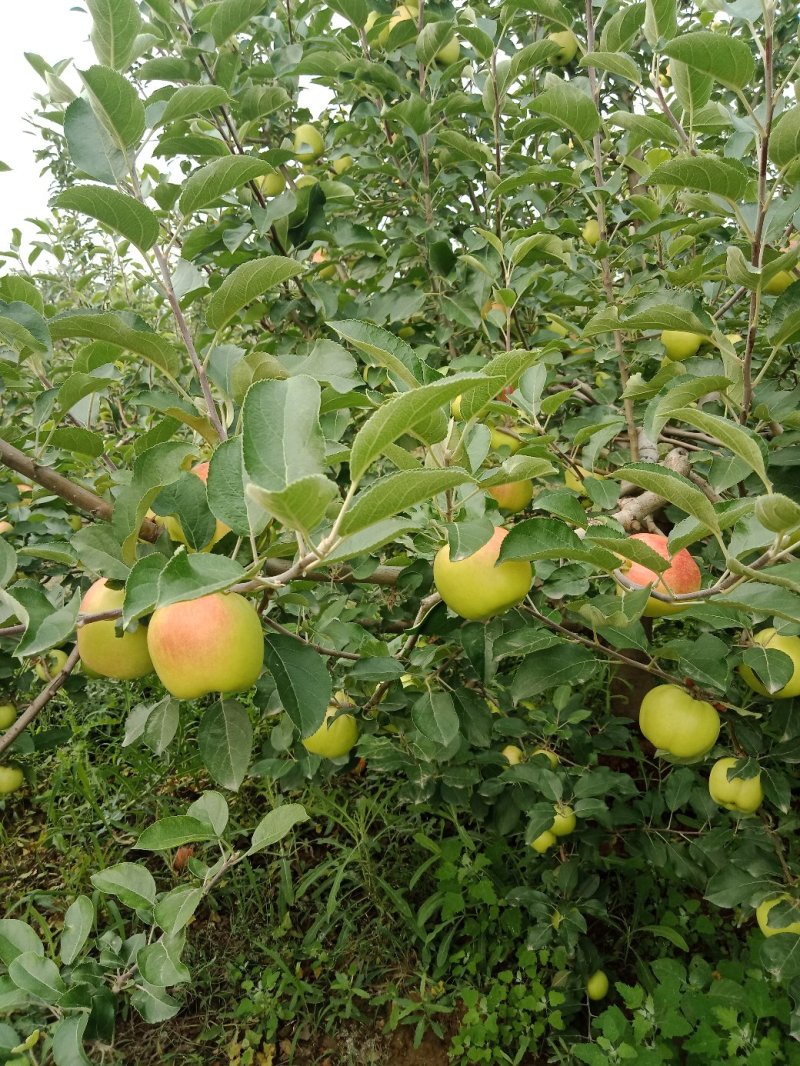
{"points": [[682, 576]]}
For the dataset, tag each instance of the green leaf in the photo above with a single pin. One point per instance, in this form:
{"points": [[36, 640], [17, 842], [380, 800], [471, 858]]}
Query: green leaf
{"points": [[37, 976], [17, 938], [705, 173], [173, 831], [231, 16], [78, 922], [398, 492], [116, 104], [784, 143], [731, 435], [159, 964], [225, 740], [369, 540], [247, 282], [302, 680], [79, 440], [276, 825], [400, 414], [301, 505], [192, 100], [620, 31], [92, 149], [501, 371], [569, 107], [122, 329], [154, 1004], [174, 911], [436, 718], [784, 322], [547, 669], [211, 807], [8, 562], [50, 630], [121, 213], [729, 60], [666, 933], [434, 35], [547, 538], [383, 348], [660, 21], [22, 327], [619, 63], [674, 487], [115, 27], [67, 1036], [187, 577], [225, 487], [101, 552], [217, 178], [281, 437], [131, 883]]}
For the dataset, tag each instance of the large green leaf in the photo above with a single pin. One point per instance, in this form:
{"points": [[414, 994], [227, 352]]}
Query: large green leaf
{"points": [[302, 680], [619, 63], [116, 104], [784, 144], [115, 27], [569, 107], [729, 60], [247, 282], [281, 437], [231, 16], [397, 492], [192, 100], [225, 739], [121, 213], [217, 178], [122, 329], [674, 487], [706, 173]]}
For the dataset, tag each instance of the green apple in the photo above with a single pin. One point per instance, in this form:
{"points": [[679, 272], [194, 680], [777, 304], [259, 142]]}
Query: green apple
{"points": [[739, 794], [544, 841], [591, 232], [477, 588], [342, 164], [103, 651], [572, 481], [271, 184], [769, 638], [50, 664], [499, 439], [546, 753], [449, 52], [8, 715], [568, 47], [779, 283], [333, 738], [11, 777], [564, 822], [680, 345], [513, 754], [308, 143], [762, 917], [675, 722], [513, 497], [555, 326], [597, 985]]}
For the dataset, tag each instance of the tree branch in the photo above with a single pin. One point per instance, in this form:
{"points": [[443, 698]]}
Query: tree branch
{"points": [[44, 697]]}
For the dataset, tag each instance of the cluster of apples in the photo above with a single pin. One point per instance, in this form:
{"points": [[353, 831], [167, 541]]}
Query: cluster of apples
{"points": [[11, 775], [409, 12], [564, 823]]}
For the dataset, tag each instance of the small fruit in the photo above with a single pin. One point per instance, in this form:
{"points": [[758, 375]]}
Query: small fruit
{"points": [[568, 47], [762, 917], [342, 164], [555, 326], [683, 575], [305, 181], [513, 754], [75, 522], [591, 232], [105, 652], [499, 439], [475, 587], [5, 527], [678, 724], [769, 638], [743, 795], [320, 255], [174, 528], [11, 777], [779, 283], [597, 985], [8, 715], [551, 756], [308, 143], [572, 481], [564, 822], [50, 664], [680, 345], [449, 52], [544, 841], [333, 738], [271, 184], [513, 497]]}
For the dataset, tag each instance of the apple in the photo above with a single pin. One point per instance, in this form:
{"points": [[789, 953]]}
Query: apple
{"points": [[564, 822], [678, 724], [8, 715], [321, 256], [513, 497], [102, 650], [682, 576], [50, 664], [342, 164], [568, 47], [449, 52], [513, 754], [75, 522], [779, 283], [551, 756], [762, 917], [740, 795], [333, 739], [271, 184], [680, 345], [597, 985], [572, 481], [11, 777], [556, 327], [211, 644], [308, 143], [402, 13], [499, 439], [475, 587], [591, 232], [544, 841], [173, 526], [305, 181], [5, 527], [768, 638]]}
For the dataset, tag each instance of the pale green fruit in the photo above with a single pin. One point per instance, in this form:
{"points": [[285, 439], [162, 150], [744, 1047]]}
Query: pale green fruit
{"points": [[568, 47], [551, 756], [741, 795], [11, 777], [103, 651], [333, 739], [564, 822], [50, 664], [8, 715], [342, 164], [475, 587], [675, 722], [449, 52], [544, 841], [499, 439], [308, 143], [591, 232], [762, 915], [513, 497], [513, 754], [680, 345], [768, 638], [597, 985], [779, 283], [271, 184]]}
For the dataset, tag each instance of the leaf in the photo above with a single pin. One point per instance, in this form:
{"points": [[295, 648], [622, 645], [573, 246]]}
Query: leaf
{"points": [[120, 213], [225, 487], [187, 577], [569, 107], [67, 1037], [225, 740], [545, 670], [173, 831], [302, 680], [733, 886], [301, 505], [37, 976], [141, 587], [24, 328], [727, 59], [784, 143], [784, 322], [383, 348], [161, 725], [673, 487], [619, 63], [233, 15], [500, 372], [116, 104], [91, 147], [400, 414], [8, 562], [100, 552], [399, 492], [131, 883], [369, 540], [78, 922], [121, 329], [78, 440], [281, 437], [115, 27], [622, 28], [154, 1004], [51, 630], [217, 178], [773, 668], [547, 538], [175, 910], [660, 21], [160, 966], [211, 807], [17, 938], [731, 435], [192, 100], [276, 825], [247, 282], [705, 173], [435, 717]]}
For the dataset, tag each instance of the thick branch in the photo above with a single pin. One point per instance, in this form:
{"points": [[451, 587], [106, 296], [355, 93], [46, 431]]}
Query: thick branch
{"points": [[636, 508]]}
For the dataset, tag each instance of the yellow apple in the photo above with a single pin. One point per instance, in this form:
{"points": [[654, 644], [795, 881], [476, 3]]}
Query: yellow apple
{"points": [[8, 715], [572, 481], [591, 232], [544, 841], [499, 439], [678, 724], [271, 184], [5, 527], [173, 526], [779, 283], [740, 795], [475, 587], [551, 756], [513, 497], [683, 575], [568, 47], [762, 917], [513, 754], [564, 822], [11, 777], [342, 164], [597, 985], [333, 738], [50, 664], [102, 650], [790, 646], [556, 327], [680, 345], [449, 52], [308, 143], [211, 644]]}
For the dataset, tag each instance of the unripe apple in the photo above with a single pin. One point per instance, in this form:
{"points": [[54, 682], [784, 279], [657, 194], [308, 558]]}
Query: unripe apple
{"points": [[544, 841], [211, 644], [591, 232], [342, 164], [333, 739], [513, 497], [513, 754], [320, 255], [564, 822], [572, 481], [675, 722], [449, 52], [102, 650], [768, 638], [500, 439], [682, 576], [8, 715], [5, 527], [308, 143], [271, 184], [11, 777], [475, 587], [494, 305], [75, 522], [597, 985], [50, 664], [680, 345], [762, 917], [402, 13], [556, 327], [174, 528], [551, 756], [779, 283], [568, 47], [741, 795], [305, 181]]}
